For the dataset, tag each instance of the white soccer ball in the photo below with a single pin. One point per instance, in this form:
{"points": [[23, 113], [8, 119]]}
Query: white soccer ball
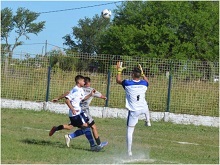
{"points": [[106, 13]]}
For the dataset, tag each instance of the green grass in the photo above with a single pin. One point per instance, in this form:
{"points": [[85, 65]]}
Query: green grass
{"points": [[24, 139]]}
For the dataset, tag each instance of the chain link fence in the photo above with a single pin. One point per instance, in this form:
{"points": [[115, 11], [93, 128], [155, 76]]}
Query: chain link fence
{"points": [[194, 85]]}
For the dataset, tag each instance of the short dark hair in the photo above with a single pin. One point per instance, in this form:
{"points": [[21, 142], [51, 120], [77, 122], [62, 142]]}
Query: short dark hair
{"points": [[136, 72], [87, 79], [78, 77]]}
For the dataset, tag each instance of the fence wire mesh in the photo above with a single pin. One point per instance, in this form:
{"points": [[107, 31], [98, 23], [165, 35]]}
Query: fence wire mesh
{"points": [[194, 86]]}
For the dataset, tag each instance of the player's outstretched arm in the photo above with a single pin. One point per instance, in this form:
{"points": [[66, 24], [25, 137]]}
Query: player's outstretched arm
{"points": [[89, 95], [60, 97], [145, 78], [99, 95], [142, 73], [119, 71], [103, 97]]}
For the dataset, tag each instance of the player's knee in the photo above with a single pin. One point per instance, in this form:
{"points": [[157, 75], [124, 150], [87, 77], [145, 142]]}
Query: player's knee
{"points": [[94, 127], [68, 127], [92, 124]]}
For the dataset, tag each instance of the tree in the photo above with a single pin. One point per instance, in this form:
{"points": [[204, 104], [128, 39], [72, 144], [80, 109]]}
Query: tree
{"points": [[173, 30], [22, 23], [86, 36]]}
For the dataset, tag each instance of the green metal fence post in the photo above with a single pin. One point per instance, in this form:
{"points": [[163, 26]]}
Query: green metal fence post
{"points": [[48, 83], [168, 93], [108, 81], [48, 75], [108, 86]]}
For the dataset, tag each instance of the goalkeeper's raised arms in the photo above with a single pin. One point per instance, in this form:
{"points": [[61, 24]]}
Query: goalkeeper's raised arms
{"points": [[119, 67], [142, 72]]}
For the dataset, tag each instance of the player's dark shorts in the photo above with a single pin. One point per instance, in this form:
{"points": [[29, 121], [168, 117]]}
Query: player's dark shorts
{"points": [[79, 120]]}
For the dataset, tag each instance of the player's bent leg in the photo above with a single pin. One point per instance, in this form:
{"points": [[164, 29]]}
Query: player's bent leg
{"points": [[73, 135], [68, 127], [96, 136], [54, 129], [94, 129], [91, 140], [77, 133], [77, 122], [147, 123], [147, 116]]}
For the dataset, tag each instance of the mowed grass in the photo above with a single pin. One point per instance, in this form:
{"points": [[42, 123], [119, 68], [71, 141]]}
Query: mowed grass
{"points": [[24, 139]]}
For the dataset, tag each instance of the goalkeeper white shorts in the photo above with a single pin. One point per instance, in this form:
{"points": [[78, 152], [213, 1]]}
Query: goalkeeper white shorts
{"points": [[133, 116]]}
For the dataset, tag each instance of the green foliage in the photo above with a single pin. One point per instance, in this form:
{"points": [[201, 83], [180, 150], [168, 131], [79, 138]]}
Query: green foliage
{"points": [[73, 62], [22, 23], [174, 30], [7, 25], [61, 61], [87, 35]]}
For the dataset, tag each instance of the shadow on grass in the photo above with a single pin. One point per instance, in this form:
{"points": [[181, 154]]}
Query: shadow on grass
{"points": [[50, 143]]}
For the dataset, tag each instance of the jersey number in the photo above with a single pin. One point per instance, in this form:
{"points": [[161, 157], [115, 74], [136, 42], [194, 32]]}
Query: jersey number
{"points": [[138, 97]]}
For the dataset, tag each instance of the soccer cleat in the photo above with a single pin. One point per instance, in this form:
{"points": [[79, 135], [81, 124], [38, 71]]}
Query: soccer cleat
{"points": [[129, 153], [103, 144], [93, 148], [52, 131], [147, 123], [67, 140], [96, 148]]}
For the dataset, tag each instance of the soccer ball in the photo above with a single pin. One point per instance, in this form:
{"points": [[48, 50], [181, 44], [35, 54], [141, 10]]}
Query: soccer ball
{"points": [[106, 13]]}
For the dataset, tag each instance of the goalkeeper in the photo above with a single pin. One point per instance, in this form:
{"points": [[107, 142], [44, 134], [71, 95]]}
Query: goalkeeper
{"points": [[136, 104]]}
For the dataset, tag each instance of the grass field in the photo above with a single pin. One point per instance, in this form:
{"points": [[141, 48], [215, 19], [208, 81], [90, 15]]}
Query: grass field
{"points": [[25, 140]]}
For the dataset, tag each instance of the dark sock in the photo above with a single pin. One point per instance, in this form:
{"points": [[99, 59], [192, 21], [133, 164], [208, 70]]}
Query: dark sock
{"points": [[98, 142], [60, 127]]}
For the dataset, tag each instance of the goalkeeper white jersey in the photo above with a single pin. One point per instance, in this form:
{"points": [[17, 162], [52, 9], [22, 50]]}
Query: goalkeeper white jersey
{"points": [[135, 94], [75, 96]]}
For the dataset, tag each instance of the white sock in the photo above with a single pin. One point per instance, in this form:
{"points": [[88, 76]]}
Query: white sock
{"points": [[130, 131], [147, 115]]}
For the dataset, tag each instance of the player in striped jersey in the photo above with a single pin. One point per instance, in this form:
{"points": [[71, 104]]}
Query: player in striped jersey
{"points": [[136, 103], [85, 107]]}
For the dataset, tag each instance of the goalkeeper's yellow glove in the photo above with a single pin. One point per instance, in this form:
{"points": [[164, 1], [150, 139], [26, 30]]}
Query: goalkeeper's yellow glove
{"points": [[119, 67], [142, 72]]}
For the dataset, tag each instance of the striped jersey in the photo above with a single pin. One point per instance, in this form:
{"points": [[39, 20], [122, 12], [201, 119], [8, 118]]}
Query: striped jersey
{"points": [[135, 94], [87, 90], [75, 96]]}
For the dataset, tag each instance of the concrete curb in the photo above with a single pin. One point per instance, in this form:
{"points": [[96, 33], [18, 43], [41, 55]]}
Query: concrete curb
{"points": [[106, 112]]}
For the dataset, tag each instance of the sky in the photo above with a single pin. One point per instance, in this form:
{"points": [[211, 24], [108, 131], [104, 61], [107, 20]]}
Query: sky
{"points": [[58, 24]]}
